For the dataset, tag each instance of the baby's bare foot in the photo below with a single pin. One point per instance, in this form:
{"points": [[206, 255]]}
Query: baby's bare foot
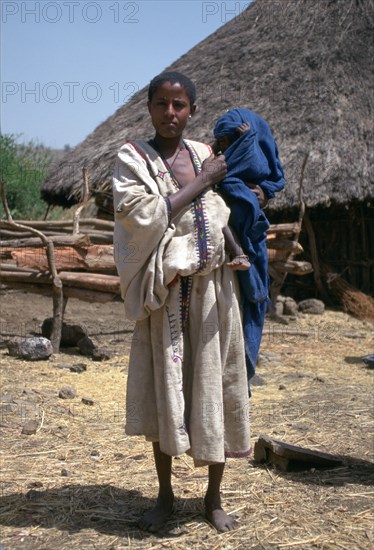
{"points": [[154, 519], [239, 263]]}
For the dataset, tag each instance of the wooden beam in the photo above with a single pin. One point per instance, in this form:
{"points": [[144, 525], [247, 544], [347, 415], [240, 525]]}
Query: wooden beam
{"points": [[290, 457]]}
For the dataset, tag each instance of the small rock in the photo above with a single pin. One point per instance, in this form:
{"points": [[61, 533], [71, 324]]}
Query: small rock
{"points": [[78, 367], [281, 387], [278, 318], [70, 334], [257, 380], [30, 393], [66, 366], [316, 307], [64, 472], [318, 379], [32, 349], [30, 427], [119, 456], [87, 401], [68, 392], [266, 358], [35, 485], [279, 308], [88, 346], [101, 354], [290, 307]]}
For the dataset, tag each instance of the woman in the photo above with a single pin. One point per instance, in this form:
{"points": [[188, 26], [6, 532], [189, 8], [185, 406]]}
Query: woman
{"points": [[186, 389]]}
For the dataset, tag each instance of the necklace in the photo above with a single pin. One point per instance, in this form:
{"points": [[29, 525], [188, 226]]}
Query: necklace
{"points": [[169, 166], [181, 147]]}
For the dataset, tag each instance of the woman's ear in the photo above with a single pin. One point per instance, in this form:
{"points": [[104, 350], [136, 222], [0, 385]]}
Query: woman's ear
{"points": [[193, 110], [149, 107]]}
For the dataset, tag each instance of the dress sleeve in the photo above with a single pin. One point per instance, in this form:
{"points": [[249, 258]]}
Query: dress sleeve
{"points": [[141, 233]]}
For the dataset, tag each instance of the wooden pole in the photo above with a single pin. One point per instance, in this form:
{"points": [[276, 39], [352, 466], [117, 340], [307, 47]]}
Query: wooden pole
{"points": [[314, 257], [83, 203], [293, 231], [57, 292]]}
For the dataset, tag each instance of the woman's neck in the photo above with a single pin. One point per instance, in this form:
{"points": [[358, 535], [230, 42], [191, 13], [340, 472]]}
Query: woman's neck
{"points": [[168, 146]]}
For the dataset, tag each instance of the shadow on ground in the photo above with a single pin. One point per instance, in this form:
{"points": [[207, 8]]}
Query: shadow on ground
{"points": [[352, 470], [107, 509]]}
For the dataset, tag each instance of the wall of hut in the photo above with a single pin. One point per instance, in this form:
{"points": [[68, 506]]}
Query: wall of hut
{"points": [[344, 236]]}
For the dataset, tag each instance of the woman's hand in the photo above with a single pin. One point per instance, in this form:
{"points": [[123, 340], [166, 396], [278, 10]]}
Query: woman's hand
{"points": [[214, 170]]}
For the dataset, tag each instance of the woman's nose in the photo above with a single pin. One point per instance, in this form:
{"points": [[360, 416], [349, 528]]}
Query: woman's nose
{"points": [[169, 110]]}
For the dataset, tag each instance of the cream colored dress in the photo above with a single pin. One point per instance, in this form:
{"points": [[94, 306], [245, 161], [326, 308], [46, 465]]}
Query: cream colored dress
{"points": [[187, 382]]}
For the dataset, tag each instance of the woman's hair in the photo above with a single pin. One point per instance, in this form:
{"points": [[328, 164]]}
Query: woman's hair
{"points": [[174, 78]]}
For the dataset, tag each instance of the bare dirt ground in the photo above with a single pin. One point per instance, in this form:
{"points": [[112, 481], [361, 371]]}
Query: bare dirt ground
{"points": [[80, 482]]}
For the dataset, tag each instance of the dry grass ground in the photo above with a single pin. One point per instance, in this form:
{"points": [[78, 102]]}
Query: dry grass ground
{"points": [[81, 482]]}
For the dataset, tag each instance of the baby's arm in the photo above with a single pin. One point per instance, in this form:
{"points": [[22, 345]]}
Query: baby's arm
{"points": [[239, 260], [260, 194]]}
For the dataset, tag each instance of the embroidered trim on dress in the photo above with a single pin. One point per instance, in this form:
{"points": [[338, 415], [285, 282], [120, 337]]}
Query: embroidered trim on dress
{"points": [[174, 336], [238, 454], [201, 233], [169, 170], [201, 221], [184, 299], [139, 151], [145, 157], [168, 208]]}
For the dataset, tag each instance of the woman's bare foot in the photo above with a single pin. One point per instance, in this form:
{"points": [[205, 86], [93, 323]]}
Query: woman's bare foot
{"points": [[154, 519], [217, 517], [240, 263]]}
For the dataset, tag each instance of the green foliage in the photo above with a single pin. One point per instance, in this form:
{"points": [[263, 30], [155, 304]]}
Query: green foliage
{"points": [[23, 168]]}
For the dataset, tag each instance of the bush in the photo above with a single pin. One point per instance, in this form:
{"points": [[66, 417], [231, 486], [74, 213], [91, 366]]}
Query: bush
{"points": [[23, 168]]}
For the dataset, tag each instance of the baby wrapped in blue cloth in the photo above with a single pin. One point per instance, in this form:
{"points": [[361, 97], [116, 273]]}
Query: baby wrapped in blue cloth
{"points": [[251, 155]]}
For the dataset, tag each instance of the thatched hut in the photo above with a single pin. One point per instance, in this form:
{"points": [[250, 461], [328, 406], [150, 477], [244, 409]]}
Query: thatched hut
{"points": [[306, 67]]}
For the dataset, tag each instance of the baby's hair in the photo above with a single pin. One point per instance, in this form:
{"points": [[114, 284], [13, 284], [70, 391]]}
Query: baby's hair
{"points": [[174, 78]]}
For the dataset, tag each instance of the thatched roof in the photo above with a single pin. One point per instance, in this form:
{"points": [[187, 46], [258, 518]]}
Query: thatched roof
{"points": [[304, 65]]}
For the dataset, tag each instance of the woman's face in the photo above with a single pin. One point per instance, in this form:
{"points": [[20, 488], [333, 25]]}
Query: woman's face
{"points": [[169, 109]]}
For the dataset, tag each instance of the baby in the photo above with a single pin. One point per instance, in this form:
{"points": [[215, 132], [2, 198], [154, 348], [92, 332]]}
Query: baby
{"points": [[254, 175], [238, 259]]}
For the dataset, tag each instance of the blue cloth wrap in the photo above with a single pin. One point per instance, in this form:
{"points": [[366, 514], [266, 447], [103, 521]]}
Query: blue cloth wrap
{"points": [[252, 158]]}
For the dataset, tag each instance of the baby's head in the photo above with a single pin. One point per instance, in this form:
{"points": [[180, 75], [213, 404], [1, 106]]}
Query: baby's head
{"points": [[224, 142], [230, 126]]}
